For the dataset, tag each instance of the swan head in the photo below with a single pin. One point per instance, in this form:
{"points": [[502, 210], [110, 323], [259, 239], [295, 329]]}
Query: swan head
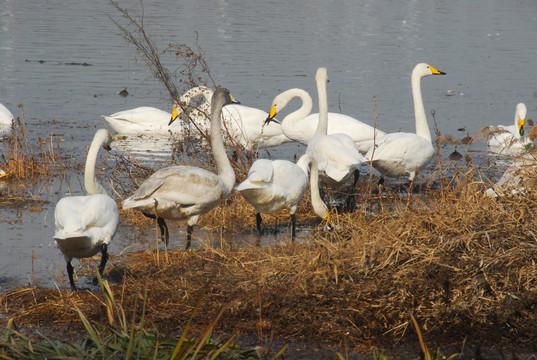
{"points": [[272, 115], [520, 118], [103, 137], [182, 105], [321, 75], [223, 96], [281, 100], [423, 69]]}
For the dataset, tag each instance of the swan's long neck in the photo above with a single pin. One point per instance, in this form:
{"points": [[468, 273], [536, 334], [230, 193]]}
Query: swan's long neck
{"points": [[319, 207], [90, 182], [225, 171], [322, 125], [291, 123], [422, 128]]}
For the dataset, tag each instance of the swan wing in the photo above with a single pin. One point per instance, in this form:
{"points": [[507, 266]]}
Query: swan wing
{"points": [[177, 187], [83, 223], [361, 133], [400, 153], [336, 155]]}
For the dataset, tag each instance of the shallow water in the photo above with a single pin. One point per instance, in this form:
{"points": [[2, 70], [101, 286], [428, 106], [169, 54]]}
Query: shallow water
{"points": [[67, 62]]}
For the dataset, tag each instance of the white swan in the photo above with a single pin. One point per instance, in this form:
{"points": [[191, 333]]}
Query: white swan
{"points": [[147, 120], [243, 125], [139, 121], [510, 139], [186, 192], [401, 153], [274, 185], [85, 225], [301, 125], [336, 154], [6, 119]]}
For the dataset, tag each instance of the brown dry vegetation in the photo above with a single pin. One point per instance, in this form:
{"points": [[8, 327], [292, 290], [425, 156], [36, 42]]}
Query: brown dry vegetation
{"points": [[462, 264]]}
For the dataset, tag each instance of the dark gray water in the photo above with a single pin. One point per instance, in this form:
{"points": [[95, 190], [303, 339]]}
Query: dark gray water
{"points": [[65, 62]]}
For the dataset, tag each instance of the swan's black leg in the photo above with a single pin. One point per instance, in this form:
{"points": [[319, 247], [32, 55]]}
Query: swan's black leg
{"points": [[163, 230], [70, 274], [104, 258], [165, 235], [356, 177], [258, 222], [293, 226], [189, 230]]}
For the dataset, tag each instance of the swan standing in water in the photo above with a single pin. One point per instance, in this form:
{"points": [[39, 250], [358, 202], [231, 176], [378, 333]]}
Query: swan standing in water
{"points": [[186, 192], [152, 121], [336, 154], [85, 225], [244, 125], [301, 125], [510, 139], [399, 154], [274, 185]]}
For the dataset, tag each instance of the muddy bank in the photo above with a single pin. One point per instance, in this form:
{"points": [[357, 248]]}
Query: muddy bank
{"points": [[461, 264]]}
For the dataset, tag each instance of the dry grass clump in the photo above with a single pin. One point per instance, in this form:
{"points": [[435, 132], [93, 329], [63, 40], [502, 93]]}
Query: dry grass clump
{"points": [[462, 264], [32, 159]]}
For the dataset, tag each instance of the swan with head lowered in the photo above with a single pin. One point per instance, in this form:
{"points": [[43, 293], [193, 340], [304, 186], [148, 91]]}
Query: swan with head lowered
{"points": [[147, 120], [510, 139], [85, 225], [274, 185], [399, 154], [301, 125], [187, 192], [242, 125]]}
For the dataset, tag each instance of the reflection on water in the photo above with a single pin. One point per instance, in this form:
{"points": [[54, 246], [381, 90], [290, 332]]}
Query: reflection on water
{"points": [[67, 71]]}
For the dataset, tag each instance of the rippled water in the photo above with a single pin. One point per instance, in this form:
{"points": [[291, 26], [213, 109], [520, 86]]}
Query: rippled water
{"points": [[65, 62]]}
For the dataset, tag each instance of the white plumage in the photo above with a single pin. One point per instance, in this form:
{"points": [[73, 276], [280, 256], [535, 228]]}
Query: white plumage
{"points": [[6, 120], [301, 125], [510, 139], [186, 192], [85, 225], [336, 154], [243, 125], [274, 185], [147, 120], [399, 154]]}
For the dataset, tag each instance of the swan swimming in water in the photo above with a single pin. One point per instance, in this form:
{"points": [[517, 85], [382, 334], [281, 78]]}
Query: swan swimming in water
{"points": [[85, 225], [147, 120], [401, 153], [244, 125], [510, 139], [274, 185], [187, 192]]}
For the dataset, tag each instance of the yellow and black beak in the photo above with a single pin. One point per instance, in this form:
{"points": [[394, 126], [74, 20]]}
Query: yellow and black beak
{"points": [[434, 71], [175, 114], [521, 122], [328, 222], [272, 114]]}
